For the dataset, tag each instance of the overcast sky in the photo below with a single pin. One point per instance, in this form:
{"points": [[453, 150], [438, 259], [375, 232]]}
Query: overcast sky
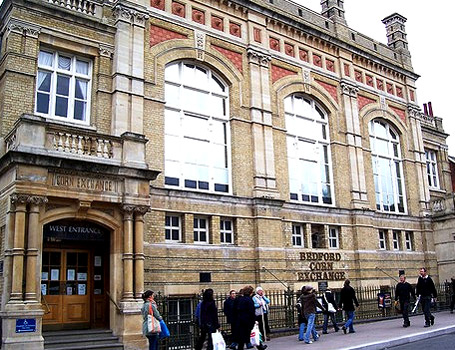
{"points": [[430, 30]]}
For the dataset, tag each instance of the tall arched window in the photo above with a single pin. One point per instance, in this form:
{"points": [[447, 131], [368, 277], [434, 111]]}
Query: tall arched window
{"points": [[196, 129], [387, 167], [308, 145]]}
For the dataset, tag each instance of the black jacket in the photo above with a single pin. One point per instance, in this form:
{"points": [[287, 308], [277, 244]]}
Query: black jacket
{"points": [[348, 298], [404, 291], [228, 309], [244, 318], [425, 287], [209, 316]]}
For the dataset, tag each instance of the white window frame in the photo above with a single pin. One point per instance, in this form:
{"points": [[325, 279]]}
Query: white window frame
{"points": [[334, 237], [198, 231], [409, 240], [396, 239], [432, 169], [73, 75], [392, 157], [202, 173], [382, 240], [170, 228], [298, 234], [226, 232], [308, 147]]}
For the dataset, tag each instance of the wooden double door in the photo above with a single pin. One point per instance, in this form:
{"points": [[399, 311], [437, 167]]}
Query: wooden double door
{"points": [[74, 288]]}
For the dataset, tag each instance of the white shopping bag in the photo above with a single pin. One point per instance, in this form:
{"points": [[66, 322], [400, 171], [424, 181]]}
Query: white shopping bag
{"points": [[218, 341], [255, 336]]}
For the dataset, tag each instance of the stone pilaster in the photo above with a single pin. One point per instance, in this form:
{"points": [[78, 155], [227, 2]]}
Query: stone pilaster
{"points": [[139, 213], [359, 197], [128, 252], [128, 70], [34, 238], [262, 129]]}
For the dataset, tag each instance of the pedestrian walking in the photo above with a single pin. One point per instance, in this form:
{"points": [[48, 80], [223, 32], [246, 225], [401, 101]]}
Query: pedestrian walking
{"points": [[228, 309], [261, 310], [347, 301], [309, 302], [452, 293], [403, 294], [302, 321], [208, 319], [245, 318], [427, 291], [330, 306], [148, 308]]}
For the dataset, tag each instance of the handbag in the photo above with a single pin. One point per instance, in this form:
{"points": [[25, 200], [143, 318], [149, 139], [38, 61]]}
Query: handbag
{"points": [[164, 330], [153, 324], [330, 307], [254, 336], [218, 341]]}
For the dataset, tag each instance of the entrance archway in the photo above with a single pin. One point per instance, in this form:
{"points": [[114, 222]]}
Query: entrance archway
{"points": [[75, 275]]}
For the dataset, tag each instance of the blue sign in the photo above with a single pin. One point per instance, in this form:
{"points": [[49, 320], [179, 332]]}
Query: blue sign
{"points": [[25, 325]]}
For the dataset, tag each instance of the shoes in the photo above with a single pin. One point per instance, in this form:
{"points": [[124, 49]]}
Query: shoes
{"points": [[249, 346], [316, 338], [432, 320], [451, 311], [427, 325], [337, 329], [268, 338], [325, 332], [344, 329], [351, 332], [406, 325], [309, 342]]}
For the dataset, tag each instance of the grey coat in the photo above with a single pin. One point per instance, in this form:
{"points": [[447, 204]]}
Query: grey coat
{"points": [[145, 312]]}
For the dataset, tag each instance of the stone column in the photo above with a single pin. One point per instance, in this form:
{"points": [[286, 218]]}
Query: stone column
{"points": [[139, 251], [128, 252], [354, 141], [262, 128], [32, 290], [18, 250], [419, 157]]}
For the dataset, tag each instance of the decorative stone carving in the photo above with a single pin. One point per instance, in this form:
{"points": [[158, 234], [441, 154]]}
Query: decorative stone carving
{"points": [[289, 49], [23, 28], [383, 103], [380, 84], [303, 55], [317, 60], [125, 14], [198, 16], [330, 65], [349, 89], [347, 70], [217, 23], [178, 9], [18, 198], [358, 76], [158, 4], [258, 57], [199, 43], [389, 88], [235, 29], [106, 51], [142, 209], [274, 44], [257, 35], [369, 80], [37, 200]]}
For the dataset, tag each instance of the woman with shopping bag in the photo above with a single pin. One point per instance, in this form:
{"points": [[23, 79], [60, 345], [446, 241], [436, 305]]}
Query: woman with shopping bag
{"points": [[151, 327], [209, 319], [245, 318]]}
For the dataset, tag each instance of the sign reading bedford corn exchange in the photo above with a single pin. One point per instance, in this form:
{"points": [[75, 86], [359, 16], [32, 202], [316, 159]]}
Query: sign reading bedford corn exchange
{"points": [[321, 267]]}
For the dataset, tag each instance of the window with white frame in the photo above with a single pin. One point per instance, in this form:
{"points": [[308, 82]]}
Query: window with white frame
{"points": [[63, 86], [334, 240], [396, 240], [226, 231], [200, 230], [298, 238], [409, 240], [173, 228], [308, 147], [387, 167], [432, 169], [197, 152], [382, 239]]}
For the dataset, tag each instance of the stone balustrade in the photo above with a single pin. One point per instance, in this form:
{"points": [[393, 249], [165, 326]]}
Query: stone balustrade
{"points": [[84, 6], [89, 145]]}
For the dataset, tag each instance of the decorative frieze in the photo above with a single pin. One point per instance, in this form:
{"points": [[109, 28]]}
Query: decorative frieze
{"points": [[258, 57], [23, 28], [106, 51], [132, 16], [349, 89]]}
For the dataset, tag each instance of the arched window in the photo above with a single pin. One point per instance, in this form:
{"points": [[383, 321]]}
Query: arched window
{"points": [[310, 169], [196, 129], [387, 167]]}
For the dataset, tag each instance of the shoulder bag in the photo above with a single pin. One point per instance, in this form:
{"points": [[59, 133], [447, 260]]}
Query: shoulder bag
{"points": [[153, 324]]}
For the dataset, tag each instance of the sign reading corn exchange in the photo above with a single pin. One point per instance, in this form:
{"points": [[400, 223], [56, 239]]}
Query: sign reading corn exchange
{"points": [[78, 182], [321, 267]]}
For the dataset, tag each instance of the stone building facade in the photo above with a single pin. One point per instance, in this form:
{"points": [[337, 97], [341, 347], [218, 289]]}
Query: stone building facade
{"points": [[178, 144]]}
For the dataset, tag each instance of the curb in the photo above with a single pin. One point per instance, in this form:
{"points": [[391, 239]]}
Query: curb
{"points": [[402, 340]]}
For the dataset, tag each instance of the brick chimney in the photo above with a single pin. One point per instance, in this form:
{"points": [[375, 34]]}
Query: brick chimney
{"points": [[396, 32], [333, 9]]}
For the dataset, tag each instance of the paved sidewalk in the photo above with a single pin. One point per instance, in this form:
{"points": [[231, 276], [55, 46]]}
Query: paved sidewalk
{"points": [[373, 335]]}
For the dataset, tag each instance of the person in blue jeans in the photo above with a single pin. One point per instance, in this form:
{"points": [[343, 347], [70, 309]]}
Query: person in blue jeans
{"points": [[302, 321], [347, 301], [309, 302], [149, 307]]}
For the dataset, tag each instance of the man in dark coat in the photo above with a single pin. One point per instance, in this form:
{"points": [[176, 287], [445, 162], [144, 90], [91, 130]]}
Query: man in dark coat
{"points": [[403, 293], [426, 290], [228, 309], [347, 301], [452, 293]]}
